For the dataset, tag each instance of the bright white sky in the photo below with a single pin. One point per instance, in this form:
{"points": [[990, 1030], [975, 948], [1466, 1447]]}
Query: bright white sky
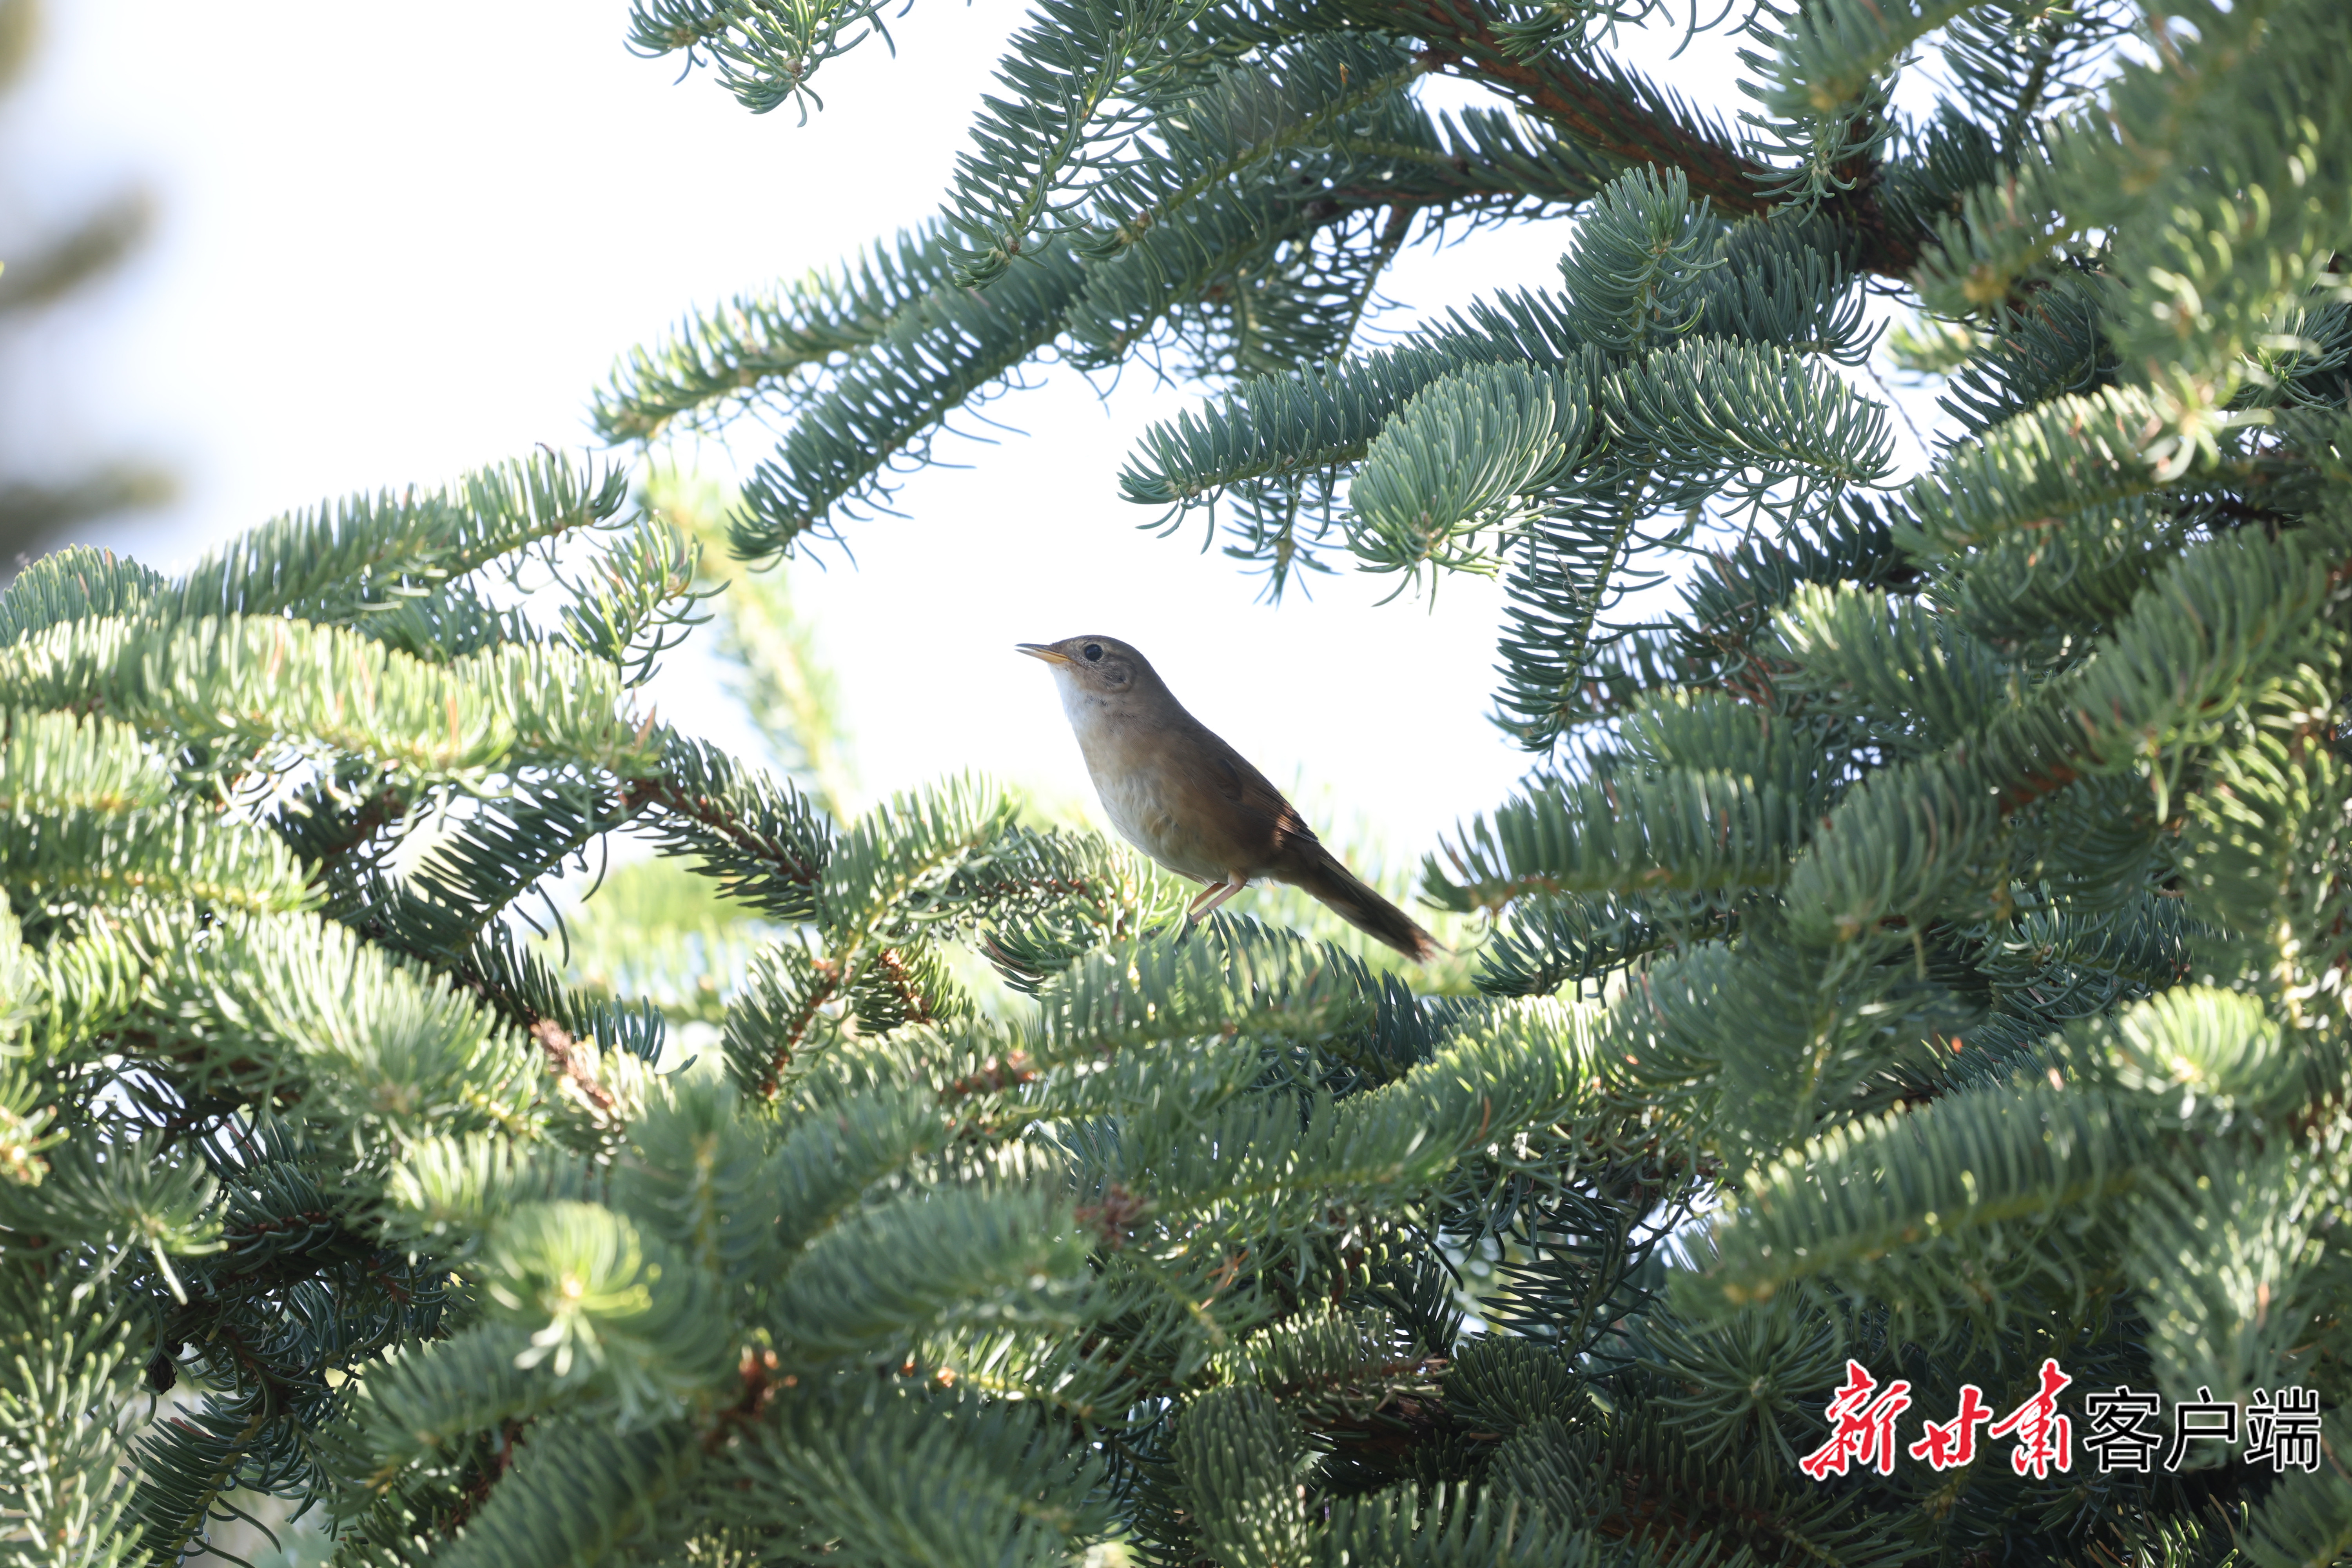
{"points": [[396, 242]]}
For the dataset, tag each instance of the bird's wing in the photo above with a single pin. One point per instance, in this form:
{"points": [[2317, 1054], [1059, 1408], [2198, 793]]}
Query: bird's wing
{"points": [[1229, 773], [1292, 852]]}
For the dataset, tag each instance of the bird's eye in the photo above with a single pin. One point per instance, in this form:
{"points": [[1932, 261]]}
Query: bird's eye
{"points": [[1093, 651]]}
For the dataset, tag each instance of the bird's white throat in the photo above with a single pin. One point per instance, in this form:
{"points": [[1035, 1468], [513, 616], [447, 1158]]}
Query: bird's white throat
{"points": [[1089, 711], [1129, 795]]}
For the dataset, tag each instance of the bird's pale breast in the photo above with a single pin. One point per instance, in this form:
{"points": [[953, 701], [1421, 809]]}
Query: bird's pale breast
{"points": [[1141, 794]]}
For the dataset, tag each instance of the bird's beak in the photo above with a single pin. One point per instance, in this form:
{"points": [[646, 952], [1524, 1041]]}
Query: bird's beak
{"points": [[1039, 650]]}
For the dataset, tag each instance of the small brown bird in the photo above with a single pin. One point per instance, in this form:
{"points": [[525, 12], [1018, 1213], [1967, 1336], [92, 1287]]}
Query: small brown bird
{"points": [[1190, 801]]}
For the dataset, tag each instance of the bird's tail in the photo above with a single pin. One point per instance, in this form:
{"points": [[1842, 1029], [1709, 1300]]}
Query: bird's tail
{"points": [[1317, 871]]}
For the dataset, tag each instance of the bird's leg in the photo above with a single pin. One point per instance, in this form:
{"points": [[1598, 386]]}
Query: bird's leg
{"points": [[1210, 887], [1235, 882], [1209, 898]]}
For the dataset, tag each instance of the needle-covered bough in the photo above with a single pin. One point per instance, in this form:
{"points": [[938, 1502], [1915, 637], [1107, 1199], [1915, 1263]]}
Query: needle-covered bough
{"points": [[1904, 1116], [1961, 847], [303, 1132]]}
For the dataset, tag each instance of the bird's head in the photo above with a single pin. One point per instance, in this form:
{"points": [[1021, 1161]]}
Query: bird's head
{"points": [[1098, 666]]}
